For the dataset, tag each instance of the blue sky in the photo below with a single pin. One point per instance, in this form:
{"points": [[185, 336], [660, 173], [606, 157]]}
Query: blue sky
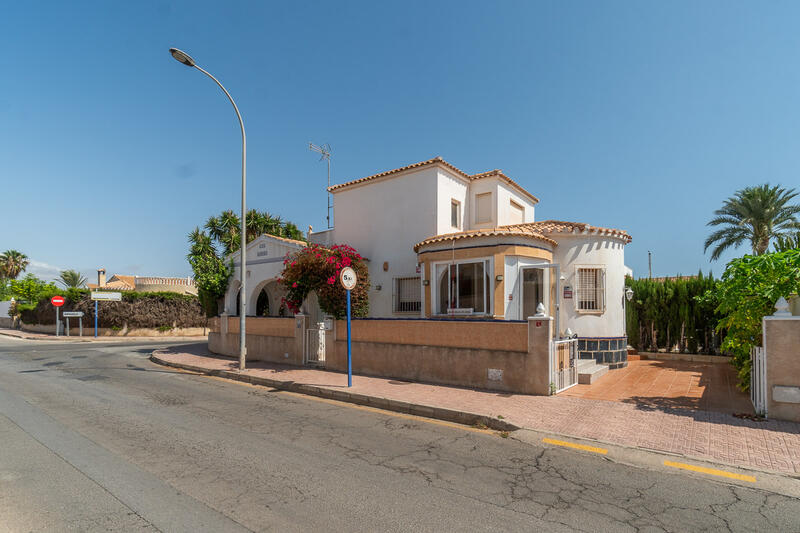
{"points": [[636, 115]]}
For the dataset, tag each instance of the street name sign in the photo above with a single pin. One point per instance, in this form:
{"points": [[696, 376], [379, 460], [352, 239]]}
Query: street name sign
{"points": [[57, 301], [107, 296], [72, 314]]}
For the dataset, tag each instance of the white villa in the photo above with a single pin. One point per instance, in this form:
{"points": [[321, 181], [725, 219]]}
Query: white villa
{"points": [[444, 244]]}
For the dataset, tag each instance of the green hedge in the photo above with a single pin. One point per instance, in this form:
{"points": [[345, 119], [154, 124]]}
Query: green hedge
{"points": [[163, 310], [665, 314]]}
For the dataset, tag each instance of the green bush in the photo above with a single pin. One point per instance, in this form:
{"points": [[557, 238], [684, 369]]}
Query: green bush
{"points": [[136, 310], [672, 312]]}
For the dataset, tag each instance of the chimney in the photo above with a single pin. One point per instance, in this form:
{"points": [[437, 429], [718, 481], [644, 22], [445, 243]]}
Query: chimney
{"points": [[101, 277]]}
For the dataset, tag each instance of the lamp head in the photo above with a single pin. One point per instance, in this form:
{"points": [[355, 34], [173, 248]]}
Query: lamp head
{"points": [[183, 57], [628, 294]]}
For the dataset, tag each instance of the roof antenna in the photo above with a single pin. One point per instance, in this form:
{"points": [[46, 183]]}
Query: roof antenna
{"points": [[325, 155]]}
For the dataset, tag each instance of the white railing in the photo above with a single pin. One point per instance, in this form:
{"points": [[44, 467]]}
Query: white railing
{"points": [[758, 380], [563, 365]]}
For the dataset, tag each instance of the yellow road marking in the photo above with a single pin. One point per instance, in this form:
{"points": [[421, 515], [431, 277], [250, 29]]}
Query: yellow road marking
{"points": [[576, 446], [711, 471]]}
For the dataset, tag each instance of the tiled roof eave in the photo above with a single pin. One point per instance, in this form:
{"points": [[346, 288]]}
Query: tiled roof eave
{"points": [[497, 232]]}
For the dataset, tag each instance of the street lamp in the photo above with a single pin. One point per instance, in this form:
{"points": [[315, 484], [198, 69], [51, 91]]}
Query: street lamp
{"points": [[628, 298], [187, 60]]}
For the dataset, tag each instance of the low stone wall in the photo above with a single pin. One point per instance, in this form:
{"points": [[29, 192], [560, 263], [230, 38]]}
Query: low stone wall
{"points": [[494, 355], [272, 339], [88, 330], [6, 322], [782, 349]]}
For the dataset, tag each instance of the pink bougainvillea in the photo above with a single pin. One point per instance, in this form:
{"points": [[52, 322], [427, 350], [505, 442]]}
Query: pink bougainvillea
{"points": [[316, 268]]}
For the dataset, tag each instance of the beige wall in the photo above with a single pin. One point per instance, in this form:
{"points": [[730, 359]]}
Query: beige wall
{"points": [[782, 346], [447, 352], [497, 252]]}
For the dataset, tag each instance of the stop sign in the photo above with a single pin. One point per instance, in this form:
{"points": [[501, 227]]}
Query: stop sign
{"points": [[57, 301]]}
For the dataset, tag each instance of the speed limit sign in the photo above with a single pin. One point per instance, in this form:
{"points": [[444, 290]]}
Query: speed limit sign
{"points": [[348, 278]]}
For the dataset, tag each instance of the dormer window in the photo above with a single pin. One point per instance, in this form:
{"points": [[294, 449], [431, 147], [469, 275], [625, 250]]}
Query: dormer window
{"points": [[483, 208], [455, 214]]}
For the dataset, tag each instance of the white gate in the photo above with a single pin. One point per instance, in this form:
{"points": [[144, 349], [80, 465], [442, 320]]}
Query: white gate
{"points": [[758, 380], [563, 365], [314, 352]]}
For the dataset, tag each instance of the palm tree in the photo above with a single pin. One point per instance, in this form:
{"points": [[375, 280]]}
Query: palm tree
{"points": [[201, 245], [755, 215], [225, 229], [12, 264], [789, 242], [71, 279]]}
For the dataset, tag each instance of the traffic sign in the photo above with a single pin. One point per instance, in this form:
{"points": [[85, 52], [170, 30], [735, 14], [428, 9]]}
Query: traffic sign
{"points": [[107, 296], [348, 278], [72, 314], [57, 301]]}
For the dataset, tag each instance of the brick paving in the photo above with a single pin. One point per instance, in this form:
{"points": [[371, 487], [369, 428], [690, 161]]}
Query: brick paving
{"points": [[670, 384], [704, 434]]}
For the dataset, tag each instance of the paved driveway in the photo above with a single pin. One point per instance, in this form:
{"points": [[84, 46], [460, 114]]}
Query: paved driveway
{"points": [[670, 384]]}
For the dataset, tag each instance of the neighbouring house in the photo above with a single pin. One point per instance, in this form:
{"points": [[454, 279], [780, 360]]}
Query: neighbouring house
{"points": [[265, 256], [119, 282], [444, 244]]}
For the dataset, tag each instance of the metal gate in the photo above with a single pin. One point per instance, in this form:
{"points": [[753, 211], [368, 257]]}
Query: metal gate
{"points": [[563, 365], [758, 380], [314, 350]]}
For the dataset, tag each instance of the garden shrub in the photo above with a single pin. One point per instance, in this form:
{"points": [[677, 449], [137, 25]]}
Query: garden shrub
{"points": [[316, 268]]}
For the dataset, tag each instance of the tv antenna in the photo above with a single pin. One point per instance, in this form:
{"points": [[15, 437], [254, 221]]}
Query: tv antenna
{"points": [[325, 155]]}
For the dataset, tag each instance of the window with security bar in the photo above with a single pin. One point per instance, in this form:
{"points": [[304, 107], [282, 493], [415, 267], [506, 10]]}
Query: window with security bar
{"points": [[591, 289], [407, 295]]}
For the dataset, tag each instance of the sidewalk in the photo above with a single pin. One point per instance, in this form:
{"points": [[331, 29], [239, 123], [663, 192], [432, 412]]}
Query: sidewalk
{"points": [[88, 336], [719, 437]]}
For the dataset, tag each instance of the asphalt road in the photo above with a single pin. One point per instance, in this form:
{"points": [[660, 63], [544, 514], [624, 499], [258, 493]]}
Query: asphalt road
{"points": [[95, 437]]}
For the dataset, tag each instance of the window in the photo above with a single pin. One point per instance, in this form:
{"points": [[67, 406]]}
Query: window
{"points": [[516, 214], [483, 208], [455, 213], [591, 289], [462, 288], [407, 295]]}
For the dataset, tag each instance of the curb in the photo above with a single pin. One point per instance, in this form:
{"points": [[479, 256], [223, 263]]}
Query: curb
{"points": [[104, 338], [428, 411]]}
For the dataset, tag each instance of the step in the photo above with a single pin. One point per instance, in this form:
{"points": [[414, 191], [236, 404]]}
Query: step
{"points": [[589, 374]]}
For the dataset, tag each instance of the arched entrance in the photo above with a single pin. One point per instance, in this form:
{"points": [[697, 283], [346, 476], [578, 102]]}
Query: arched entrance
{"points": [[262, 303]]}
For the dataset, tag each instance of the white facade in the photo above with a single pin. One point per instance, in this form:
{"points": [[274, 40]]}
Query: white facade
{"points": [[386, 215], [265, 256]]}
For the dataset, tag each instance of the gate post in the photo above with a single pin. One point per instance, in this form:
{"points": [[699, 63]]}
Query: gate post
{"points": [[538, 367], [300, 326]]}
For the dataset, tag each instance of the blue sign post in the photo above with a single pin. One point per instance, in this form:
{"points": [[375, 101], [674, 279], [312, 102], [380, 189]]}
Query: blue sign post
{"points": [[348, 278], [95, 318], [349, 349]]}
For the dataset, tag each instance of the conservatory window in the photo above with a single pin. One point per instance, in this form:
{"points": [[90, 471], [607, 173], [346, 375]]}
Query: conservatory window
{"points": [[463, 288]]}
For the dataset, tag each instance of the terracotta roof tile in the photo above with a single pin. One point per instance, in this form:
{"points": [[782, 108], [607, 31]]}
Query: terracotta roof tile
{"points": [[401, 169], [499, 173], [490, 232], [548, 227]]}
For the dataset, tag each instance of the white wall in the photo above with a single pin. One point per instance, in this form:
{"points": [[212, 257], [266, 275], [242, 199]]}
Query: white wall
{"points": [[588, 250], [482, 186], [264, 263], [504, 196], [450, 187], [383, 220]]}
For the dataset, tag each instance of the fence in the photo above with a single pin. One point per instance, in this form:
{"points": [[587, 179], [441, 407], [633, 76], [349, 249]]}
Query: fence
{"points": [[563, 367], [758, 380]]}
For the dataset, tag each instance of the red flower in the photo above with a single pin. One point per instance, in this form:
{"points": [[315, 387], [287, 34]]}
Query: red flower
{"points": [[346, 261], [331, 280], [294, 285]]}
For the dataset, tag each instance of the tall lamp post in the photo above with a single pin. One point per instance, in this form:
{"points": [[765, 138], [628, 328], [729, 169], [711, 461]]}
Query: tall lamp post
{"points": [[186, 59], [628, 297]]}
